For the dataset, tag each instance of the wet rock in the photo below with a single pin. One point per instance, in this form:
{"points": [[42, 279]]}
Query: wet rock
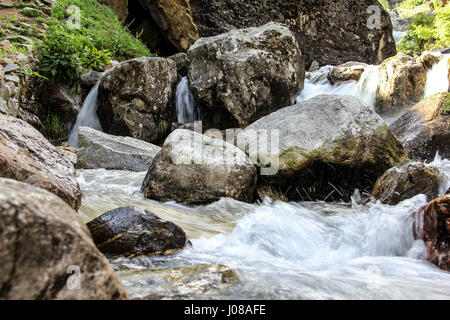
{"points": [[328, 147], [270, 192], [43, 243], [101, 150], [90, 78], [346, 72], [137, 98], [432, 224], [193, 169], [174, 19], [406, 181], [182, 61], [330, 32], [402, 82], [242, 75], [133, 231], [178, 283], [61, 101], [425, 129], [25, 155]]}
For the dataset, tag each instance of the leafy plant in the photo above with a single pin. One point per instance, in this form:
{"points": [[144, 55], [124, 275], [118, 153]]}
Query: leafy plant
{"points": [[53, 128]]}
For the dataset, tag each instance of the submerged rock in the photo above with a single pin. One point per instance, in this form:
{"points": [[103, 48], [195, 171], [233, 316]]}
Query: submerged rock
{"points": [[137, 98], [133, 231], [328, 147], [178, 283], [193, 169], [432, 225], [25, 155], [239, 76], [346, 72], [406, 181], [44, 246], [101, 150], [329, 31], [425, 129]]}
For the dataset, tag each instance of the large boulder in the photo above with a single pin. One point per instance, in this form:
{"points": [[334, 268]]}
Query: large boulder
{"points": [[425, 129], [101, 150], [406, 181], [25, 155], [349, 71], [133, 231], [328, 146], [46, 250], [402, 82], [174, 19], [192, 168], [239, 76], [433, 227], [329, 31], [137, 98]]}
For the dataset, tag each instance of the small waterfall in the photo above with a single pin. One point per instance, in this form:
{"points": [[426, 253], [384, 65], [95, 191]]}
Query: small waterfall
{"points": [[87, 117], [437, 77], [186, 111], [365, 89]]}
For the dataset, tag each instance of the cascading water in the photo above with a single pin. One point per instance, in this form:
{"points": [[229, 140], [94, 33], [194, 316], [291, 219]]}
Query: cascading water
{"points": [[365, 89], [186, 111], [87, 117], [437, 77], [306, 250]]}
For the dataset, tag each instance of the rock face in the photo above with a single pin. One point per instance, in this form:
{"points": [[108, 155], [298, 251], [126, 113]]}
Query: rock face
{"points": [[402, 82], [328, 146], [101, 150], [329, 31], [174, 18], [136, 98], [346, 72], [43, 243], [242, 75], [25, 155], [192, 168], [133, 231], [406, 181], [425, 129], [120, 7], [432, 225]]}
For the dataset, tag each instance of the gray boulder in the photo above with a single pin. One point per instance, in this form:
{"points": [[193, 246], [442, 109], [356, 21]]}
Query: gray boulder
{"points": [[345, 72], [46, 250], [242, 75], [328, 146], [137, 98], [193, 169], [101, 150], [25, 155]]}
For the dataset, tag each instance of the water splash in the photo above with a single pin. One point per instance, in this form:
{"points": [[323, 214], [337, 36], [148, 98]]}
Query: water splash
{"points": [[443, 165], [365, 89], [437, 77], [87, 117], [186, 111]]}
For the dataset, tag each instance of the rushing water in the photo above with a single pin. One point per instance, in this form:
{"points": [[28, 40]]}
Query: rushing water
{"points": [[437, 77], [87, 117], [186, 111], [365, 89], [282, 250]]}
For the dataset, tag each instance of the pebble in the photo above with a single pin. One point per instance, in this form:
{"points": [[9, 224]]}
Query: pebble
{"points": [[11, 68]]}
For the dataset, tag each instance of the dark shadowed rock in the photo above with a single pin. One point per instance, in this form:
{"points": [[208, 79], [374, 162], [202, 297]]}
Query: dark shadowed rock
{"points": [[328, 31], [25, 155], [192, 168], [242, 75], [101, 150], [425, 129], [182, 61], [432, 225], [328, 146], [42, 243], [133, 231], [406, 181], [137, 97]]}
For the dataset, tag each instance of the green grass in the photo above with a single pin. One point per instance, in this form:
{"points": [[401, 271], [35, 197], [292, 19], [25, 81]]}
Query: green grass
{"points": [[385, 4], [101, 25]]}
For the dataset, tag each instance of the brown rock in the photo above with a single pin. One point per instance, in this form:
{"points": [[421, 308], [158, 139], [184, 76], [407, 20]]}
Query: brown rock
{"points": [[25, 155], [120, 7], [432, 224], [346, 72], [43, 244]]}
